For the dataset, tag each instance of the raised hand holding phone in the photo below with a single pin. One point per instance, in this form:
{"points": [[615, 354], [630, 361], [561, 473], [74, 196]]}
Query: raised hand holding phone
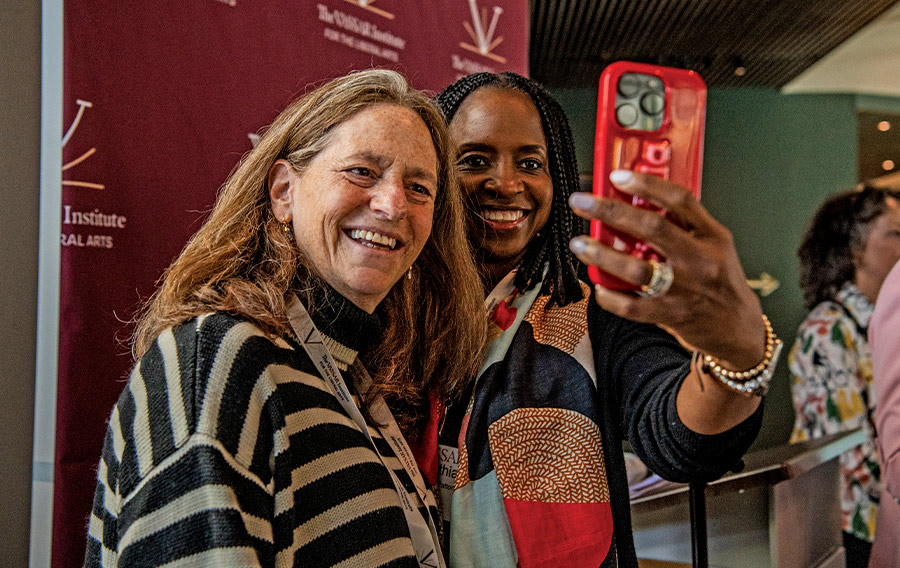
{"points": [[649, 231], [650, 119]]}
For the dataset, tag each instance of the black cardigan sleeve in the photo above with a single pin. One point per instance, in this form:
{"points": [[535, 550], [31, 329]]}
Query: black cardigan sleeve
{"points": [[639, 370]]}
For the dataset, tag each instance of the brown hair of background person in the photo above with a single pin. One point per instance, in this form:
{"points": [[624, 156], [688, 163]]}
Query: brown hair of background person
{"points": [[838, 231]]}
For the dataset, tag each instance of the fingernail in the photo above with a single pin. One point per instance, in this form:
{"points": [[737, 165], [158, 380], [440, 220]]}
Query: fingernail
{"points": [[580, 200], [621, 176], [577, 245]]}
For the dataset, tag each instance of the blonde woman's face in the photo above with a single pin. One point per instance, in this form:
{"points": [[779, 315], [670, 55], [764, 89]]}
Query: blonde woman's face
{"points": [[362, 211]]}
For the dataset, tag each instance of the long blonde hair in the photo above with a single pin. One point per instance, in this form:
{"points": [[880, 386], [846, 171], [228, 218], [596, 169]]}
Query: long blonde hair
{"points": [[242, 262]]}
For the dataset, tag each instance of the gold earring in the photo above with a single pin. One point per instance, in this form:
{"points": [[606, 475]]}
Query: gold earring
{"points": [[409, 273], [286, 226]]}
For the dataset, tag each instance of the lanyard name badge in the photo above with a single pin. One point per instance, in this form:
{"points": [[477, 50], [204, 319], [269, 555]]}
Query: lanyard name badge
{"points": [[423, 534]]}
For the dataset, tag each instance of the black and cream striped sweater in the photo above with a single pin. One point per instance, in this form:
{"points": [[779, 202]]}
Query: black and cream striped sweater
{"points": [[226, 448]]}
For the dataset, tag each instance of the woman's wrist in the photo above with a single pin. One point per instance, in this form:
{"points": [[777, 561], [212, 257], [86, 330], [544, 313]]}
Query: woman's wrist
{"points": [[752, 380]]}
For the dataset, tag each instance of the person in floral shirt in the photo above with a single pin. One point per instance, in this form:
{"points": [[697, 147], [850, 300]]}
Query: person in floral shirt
{"points": [[848, 250]]}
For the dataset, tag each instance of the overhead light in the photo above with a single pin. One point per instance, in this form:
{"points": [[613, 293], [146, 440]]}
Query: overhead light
{"points": [[884, 126], [887, 165], [739, 68]]}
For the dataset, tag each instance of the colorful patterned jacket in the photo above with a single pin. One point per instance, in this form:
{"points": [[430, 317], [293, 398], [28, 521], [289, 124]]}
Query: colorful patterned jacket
{"points": [[832, 393]]}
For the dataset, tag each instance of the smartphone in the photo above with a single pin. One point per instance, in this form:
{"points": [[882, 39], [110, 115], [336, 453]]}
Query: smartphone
{"points": [[650, 119]]}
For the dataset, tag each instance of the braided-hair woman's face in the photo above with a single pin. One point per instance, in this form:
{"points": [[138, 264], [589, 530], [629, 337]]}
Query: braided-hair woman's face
{"points": [[503, 165]]}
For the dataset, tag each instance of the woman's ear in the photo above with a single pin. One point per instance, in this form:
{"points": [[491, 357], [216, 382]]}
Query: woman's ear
{"points": [[280, 181]]}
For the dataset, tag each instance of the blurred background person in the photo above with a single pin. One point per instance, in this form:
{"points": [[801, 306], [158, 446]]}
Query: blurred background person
{"points": [[850, 246]]}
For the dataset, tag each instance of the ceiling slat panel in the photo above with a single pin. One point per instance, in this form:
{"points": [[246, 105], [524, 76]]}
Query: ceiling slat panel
{"points": [[575, 27], [573, 40]]}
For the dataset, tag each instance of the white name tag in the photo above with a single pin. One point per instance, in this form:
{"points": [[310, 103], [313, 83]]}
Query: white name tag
{"points": [[448, 465]]}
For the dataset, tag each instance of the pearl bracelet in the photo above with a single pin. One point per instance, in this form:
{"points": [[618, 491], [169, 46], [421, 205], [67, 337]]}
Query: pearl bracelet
{"points": [[753, 381]]}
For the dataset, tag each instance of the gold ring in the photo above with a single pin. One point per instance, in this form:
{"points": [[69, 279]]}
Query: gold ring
{"points": [[660, 281]]}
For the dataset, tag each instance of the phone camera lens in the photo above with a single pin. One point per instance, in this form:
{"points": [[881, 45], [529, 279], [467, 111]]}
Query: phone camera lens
{"points": [[629, 85], [654, 84], [652, 103], [626, 114]]}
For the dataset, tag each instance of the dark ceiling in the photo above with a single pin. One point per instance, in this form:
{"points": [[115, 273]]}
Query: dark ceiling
{"points": [[773, 40]]}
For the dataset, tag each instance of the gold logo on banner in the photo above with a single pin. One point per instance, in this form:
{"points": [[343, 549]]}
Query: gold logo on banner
{"points": [[81, 106], [367, 5], [483, 33]]}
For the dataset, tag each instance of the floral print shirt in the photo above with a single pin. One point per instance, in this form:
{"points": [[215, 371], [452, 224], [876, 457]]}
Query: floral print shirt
{"points": [[832, 393]]}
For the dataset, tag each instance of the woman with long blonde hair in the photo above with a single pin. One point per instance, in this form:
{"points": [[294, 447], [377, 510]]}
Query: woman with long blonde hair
{"points": [[250, 432]]}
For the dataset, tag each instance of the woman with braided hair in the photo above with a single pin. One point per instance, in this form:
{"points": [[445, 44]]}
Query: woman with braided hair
{"points": [[530, 462]]}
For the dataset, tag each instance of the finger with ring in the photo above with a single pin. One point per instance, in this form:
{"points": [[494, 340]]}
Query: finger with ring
{"points": [[660, 281]]}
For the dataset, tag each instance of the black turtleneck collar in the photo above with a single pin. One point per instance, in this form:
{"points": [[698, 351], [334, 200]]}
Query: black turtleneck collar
{"points": [[348, 329]]}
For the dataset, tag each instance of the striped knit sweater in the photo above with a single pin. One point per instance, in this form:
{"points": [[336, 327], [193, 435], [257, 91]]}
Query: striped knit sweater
{"points": [[226, 448]]}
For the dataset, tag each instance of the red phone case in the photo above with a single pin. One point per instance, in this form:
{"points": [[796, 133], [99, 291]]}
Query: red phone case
{"points": [[674, 151]]}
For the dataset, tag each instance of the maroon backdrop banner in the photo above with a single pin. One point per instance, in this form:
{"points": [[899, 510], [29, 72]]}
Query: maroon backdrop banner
{"points": [[161, 99]]}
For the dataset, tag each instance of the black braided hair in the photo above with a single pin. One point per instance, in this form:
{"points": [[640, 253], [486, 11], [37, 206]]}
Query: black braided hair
{"points": [[552, 243]]}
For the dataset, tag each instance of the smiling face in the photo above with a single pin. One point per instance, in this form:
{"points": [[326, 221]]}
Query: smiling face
{"points": [[503, 166], [362, 210]]}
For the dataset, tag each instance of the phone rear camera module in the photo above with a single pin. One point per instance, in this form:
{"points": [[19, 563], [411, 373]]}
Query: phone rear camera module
{"points": [[640, 102], [627, 115]]}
